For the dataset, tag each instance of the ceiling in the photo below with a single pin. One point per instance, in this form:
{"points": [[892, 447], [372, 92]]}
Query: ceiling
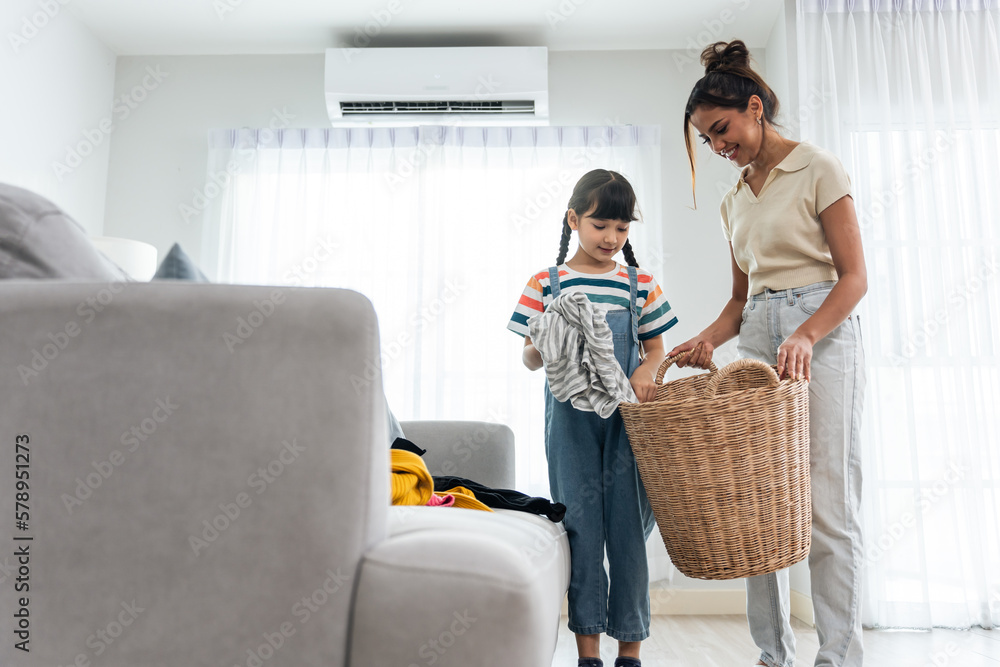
{"points": [[176, 27]]}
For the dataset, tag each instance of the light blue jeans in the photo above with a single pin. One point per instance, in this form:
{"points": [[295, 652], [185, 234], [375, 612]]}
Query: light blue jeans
{"points": [[836, 395]]}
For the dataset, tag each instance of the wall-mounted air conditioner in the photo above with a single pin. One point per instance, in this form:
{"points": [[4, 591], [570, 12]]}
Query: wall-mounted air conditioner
{"points": [[438, 86]]}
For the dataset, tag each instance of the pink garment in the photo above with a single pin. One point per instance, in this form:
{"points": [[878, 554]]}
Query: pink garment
{"points": [[441, 501]]}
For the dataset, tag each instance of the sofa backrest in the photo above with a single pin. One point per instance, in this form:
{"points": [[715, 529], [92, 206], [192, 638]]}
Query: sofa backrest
{"points": [[202, 468]]}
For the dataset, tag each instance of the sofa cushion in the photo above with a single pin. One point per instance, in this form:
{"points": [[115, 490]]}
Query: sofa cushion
{"points": [[543, 544], [465, 583], [38, 241]]}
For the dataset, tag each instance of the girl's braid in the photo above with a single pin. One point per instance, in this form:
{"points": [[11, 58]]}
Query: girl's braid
{"points": [[564, 241], [629, 255]]}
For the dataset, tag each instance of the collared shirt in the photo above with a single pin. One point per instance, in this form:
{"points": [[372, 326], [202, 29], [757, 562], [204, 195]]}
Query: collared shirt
{"points": [[777, 237]]}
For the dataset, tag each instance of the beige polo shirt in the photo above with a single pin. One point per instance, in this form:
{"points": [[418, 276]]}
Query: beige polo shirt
{"points": [[777, 237]]}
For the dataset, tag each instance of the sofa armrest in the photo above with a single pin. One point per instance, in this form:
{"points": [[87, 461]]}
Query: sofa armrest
{"points": [[480, 451]]}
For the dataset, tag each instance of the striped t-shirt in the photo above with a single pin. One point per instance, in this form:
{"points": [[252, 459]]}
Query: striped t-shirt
{"points": [[609, 291]]}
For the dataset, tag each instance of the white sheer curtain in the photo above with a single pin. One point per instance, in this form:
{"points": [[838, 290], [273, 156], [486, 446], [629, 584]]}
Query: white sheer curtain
{"points": [[908, 95], [440, 227]]}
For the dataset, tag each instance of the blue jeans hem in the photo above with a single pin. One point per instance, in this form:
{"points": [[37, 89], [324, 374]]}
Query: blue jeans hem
{"points": [[628, 636], [587, 629]]}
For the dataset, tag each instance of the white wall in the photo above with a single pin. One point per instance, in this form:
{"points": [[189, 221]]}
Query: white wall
{"points": [[57, 82], [158, 158]]}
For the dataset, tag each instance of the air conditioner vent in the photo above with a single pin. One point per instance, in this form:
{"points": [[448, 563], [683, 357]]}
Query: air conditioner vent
{"points": [[439, 107], [475, 86]]}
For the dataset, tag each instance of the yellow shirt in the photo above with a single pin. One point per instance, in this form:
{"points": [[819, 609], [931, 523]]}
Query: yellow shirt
{"points": [[777, 237]]}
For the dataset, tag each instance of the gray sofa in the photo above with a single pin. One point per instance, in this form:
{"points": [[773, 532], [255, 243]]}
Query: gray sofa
{"points": [[204, 479]]}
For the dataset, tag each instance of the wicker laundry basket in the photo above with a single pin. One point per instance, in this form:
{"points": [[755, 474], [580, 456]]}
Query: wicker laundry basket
{"points": [[724, 457]]}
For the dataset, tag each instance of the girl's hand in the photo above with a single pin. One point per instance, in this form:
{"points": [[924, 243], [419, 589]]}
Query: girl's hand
{"points": [[795, 357], [643, 383], [701, 356]]}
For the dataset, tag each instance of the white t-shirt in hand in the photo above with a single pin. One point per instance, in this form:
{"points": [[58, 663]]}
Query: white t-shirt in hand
{"points": [[777, 237]]}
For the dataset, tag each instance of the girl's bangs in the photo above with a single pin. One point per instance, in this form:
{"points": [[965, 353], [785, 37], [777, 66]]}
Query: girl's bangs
{"points": [[615, 201]]}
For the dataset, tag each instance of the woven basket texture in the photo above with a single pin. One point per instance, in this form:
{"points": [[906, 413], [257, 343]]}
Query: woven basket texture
{"points": [[724, 457]]}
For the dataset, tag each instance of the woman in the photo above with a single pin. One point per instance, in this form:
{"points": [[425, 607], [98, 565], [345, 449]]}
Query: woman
{"points": [[798, 274]]}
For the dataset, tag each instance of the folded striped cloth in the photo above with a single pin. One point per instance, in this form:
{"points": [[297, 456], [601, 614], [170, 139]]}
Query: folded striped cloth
{"points": [[578, 351]]}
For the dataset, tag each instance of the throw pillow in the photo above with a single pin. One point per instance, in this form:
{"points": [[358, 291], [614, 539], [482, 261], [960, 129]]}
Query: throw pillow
{"points": [[178, 266]]}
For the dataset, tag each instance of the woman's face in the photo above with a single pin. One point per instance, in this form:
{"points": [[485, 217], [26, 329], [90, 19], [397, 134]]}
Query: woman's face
{"points": [[733, 134]]}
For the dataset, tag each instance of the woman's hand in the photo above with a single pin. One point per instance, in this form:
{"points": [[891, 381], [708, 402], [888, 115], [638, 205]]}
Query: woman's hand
{"points": [[643, 383], [701, 355], [795, 357]]}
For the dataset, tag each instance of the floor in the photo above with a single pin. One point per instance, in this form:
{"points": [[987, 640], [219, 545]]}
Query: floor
{"points": [[724, 641]]}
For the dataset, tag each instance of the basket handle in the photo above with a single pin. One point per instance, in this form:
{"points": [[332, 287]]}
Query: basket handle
{"points": [[670, 361], [740, 365]]}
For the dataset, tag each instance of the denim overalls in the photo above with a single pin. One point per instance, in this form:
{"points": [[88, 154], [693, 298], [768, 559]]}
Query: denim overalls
{"points": [[593, 473]]}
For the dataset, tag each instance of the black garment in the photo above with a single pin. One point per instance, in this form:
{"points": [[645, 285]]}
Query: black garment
{"points": [[406, 445], [504, 499]]}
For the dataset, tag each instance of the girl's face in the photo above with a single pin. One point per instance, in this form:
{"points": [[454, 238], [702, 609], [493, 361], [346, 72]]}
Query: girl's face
{"points": [[733, 134], [600, 239]]}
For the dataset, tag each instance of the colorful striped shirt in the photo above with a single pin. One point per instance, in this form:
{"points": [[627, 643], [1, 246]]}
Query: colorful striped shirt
{"points": [[609, 291]]}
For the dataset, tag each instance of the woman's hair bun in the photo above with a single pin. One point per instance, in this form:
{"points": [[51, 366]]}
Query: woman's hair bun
{"points": [[726, 56]]}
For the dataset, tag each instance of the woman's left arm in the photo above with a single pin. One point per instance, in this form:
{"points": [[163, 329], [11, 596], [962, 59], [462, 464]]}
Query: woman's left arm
{"points": [[840, 224]]}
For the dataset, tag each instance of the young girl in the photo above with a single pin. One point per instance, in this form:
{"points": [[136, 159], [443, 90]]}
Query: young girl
{"points": [[591, 469]]}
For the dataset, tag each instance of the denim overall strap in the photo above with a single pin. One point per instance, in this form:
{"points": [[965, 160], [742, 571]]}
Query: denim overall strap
{"points": [[554, 281], [633, 284]]}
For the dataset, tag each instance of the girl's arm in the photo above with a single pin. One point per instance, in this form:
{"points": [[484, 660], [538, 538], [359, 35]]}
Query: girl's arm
{"points": [[840, 224], [725, 327], [530, 356], [643, 380]]}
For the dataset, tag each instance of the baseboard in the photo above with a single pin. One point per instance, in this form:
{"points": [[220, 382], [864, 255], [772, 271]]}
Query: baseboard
{"points": [[701, 602], [802, 608]]}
